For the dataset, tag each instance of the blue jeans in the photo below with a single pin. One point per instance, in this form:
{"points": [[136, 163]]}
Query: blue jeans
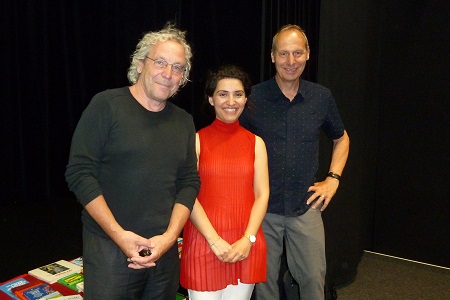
{"points": [[107, 276], [304, 238]]}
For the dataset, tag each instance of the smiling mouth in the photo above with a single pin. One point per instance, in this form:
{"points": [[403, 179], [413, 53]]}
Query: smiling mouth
{"points": [[164, 85], [230, 109]]}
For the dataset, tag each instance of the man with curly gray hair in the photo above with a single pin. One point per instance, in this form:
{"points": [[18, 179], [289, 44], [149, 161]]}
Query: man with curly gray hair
{"points": [[133, 167], [149, 40]]}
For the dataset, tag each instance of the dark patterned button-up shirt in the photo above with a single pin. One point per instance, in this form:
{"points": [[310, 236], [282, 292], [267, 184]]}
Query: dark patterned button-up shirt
{"points": [[291, 131]]}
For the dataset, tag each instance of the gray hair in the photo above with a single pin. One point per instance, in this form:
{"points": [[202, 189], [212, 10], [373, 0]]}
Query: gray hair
{"points": [[168, 33]]}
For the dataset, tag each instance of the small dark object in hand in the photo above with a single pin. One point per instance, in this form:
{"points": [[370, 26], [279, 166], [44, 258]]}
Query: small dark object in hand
{"points": [[145, 252]]}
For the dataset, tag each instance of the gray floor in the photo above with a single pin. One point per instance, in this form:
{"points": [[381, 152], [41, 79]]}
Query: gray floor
{"points": [[384, 277]]}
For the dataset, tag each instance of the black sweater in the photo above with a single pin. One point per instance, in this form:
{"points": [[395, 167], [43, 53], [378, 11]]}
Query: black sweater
{"points": [[142, 162]]}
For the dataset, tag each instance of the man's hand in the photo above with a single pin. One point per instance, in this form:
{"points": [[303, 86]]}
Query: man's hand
{"points": [[323, 192], [142, 262], [131, 244], [160, 244]]}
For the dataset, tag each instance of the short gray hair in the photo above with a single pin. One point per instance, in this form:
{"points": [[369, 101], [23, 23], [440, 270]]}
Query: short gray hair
{"points": [[168, 33]]}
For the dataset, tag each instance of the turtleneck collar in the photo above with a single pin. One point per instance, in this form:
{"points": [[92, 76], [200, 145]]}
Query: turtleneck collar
{"points": [[227, 127]]}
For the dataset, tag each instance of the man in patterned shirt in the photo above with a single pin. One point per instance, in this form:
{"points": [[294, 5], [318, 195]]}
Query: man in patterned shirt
{"points": [[289, 113]]}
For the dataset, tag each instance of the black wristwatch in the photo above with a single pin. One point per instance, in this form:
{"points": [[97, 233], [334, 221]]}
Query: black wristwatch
{"points": [[334, 175]]}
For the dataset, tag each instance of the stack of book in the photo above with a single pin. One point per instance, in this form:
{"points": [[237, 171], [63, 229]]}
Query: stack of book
{"points": [[47, 282], [61, 280]]}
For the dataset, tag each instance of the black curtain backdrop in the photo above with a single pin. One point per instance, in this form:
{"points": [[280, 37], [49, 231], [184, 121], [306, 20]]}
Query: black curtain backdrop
{"points": [[386, 63], [411, 214], [58, 54], [348, 40]]}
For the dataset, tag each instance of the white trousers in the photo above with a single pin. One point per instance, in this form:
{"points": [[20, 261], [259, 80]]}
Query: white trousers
{"points": [[241, 291]]}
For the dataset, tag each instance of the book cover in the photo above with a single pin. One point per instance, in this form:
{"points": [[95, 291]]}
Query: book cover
{"points": [[53, 272], [72, 297], [17, 291], [80, 287], [78, 261], [38, 290], [180, 297], [9, 285], [71, 281]]}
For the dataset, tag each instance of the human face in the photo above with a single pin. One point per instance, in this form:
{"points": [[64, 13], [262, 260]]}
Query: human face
{"points": [[290, 55], [228, 99], [160, 84]]}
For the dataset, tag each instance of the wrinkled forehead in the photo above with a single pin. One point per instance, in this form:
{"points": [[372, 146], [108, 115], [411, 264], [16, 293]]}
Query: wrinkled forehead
{"points": [[169, 49], [290, 40]]}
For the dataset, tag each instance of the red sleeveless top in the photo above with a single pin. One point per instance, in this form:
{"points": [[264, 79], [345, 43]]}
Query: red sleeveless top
{"points": [[226, 169]]}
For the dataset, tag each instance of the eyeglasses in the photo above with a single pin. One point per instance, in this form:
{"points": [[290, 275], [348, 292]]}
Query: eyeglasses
{"points": [[162, 64]]}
